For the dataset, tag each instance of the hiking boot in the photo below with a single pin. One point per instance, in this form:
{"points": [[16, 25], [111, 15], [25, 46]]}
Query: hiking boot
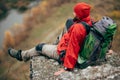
{"points": [[15, 53]]}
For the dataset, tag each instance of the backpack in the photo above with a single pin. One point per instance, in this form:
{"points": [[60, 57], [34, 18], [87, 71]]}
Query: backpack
{"points": [[97, 41]]}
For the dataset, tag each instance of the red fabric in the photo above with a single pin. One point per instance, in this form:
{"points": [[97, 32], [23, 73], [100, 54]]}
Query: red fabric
{"points": [[72, 41], [82, 10]]}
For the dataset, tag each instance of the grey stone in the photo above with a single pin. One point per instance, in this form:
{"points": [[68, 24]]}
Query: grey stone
{"points": [[43, 69]]}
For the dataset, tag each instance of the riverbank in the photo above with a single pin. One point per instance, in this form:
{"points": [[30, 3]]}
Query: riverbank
{"points": [[8, 22], [12, 14], [38, 16], [20, 5]]}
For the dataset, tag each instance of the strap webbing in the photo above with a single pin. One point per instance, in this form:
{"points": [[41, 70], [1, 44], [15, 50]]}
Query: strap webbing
{"points": [[87, 27]]}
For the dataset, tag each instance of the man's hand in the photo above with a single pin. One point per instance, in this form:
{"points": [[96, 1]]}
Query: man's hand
{"points": [[59, 72], [110, 52]]}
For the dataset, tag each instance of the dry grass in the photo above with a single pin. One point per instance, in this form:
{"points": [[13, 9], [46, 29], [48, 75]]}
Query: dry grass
{"points": [[115, 14], [116, 41]]}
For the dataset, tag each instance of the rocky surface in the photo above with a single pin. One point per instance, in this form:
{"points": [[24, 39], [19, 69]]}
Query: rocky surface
{"points": [[42, 68]]}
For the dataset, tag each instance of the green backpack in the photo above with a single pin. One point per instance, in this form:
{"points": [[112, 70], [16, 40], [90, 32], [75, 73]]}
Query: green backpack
{"points": [[97, 42]]}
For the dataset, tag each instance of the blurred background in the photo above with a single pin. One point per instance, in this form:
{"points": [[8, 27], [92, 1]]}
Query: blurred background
{"points": [[25, 23]]}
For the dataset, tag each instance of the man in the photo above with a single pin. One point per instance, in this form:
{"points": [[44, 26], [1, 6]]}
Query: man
{"points": [[70, 42]]}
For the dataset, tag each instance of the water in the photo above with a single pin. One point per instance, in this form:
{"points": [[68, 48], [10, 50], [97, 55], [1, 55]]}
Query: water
{"points": [[13, 17]]}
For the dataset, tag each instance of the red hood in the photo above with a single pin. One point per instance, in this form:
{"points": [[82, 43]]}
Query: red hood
{"points": [[87, 20], [82, 10]]}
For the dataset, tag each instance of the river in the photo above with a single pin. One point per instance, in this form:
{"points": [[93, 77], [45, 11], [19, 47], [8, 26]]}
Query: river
{"points": [[13, 17]]}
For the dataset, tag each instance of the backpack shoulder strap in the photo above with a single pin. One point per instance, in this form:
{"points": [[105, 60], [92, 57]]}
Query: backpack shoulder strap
{"points": [[70, 22], [87, 27]]}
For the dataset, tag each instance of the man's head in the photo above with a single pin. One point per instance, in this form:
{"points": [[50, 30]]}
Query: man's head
{"points": [[82, 10]]}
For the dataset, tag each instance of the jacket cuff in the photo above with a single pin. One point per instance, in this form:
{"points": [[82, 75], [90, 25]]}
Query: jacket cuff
{"points": [[67, 69]]}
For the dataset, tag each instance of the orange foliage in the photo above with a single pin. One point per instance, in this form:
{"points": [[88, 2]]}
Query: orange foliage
{"points": [[40, 12], [35, 11], [28, 21], [20, 32], [1, 56], [8, 40]]}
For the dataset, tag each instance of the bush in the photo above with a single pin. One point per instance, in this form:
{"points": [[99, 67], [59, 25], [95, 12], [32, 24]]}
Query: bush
{"points": [[1, 56], [28, 21], [8, 40], [20, 33]]}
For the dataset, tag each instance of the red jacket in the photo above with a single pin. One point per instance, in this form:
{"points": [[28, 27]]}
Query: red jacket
{"points": [[73, 39], [71, 42]]}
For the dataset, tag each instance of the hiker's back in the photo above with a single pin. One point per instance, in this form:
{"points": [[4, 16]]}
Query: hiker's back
{"points": [[97, 41]]}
